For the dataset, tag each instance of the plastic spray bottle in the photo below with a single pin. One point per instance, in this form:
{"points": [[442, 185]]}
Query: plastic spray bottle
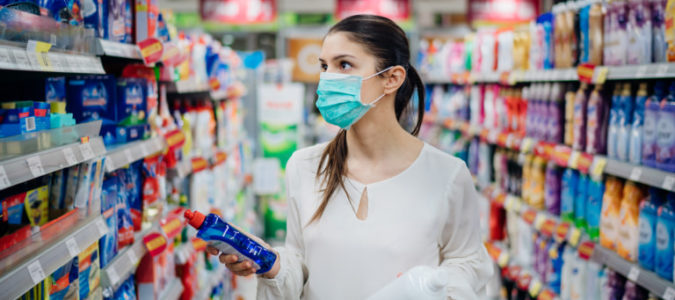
{"points": [[231, 240], [647, 224], [421, 282], [636, 133]]}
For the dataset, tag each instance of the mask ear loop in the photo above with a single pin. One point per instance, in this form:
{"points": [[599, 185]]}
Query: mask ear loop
{"points": [[371, 76]]}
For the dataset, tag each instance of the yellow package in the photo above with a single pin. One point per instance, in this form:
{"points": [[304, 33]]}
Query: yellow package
{"points": [[537, 182], [37, 205], [629, 231], [90, 270], [611, 210]]}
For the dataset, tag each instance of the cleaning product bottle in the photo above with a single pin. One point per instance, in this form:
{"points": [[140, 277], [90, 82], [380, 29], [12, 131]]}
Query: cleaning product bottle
{"points": [[629, 231], [595, 24], [570, 95], [538, 174], [570, 180], [652, 108], [552, 189], [611, 207], [595, 122], [647, 224], [596, 190], [230, 240], [580, 198], [580, 118], [613, 131], [625, 122], [665, 224], [421, 282], [665, 133], [636, 134], [659, 43]]}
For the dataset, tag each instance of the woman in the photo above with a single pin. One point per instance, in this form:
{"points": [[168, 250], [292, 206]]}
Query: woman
{"points": [[375, 201]]}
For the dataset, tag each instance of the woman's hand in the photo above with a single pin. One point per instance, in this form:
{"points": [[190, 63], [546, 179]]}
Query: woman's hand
{"points": [[243, 268]]}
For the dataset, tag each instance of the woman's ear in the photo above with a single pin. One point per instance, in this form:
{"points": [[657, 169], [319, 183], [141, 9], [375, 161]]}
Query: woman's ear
{"points": [[394, 79]]}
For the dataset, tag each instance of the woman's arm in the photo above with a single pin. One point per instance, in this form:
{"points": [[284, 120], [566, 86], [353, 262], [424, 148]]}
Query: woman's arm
{"points": [[289, 281], [462, 251]]}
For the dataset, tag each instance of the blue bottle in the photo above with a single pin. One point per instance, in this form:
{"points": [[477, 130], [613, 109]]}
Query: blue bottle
{"points": [[580, 199], [596, 190], [570, 180], [665, 224], [625, 122], [647, 225], [636, 134], [613, 128], [649, 131], [665, 133], [230, 240]]}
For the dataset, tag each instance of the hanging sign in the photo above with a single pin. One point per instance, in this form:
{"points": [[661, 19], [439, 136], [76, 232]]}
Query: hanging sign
{"points": [[397, 10], [238, 11], [151, 50], [502, 11]]}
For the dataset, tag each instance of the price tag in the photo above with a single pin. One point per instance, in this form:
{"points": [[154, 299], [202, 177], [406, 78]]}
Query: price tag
{"points": [[503, 259], [669, 294], [70, 156], [158, 144], [527, 145], [668, 183], [573, 162], [144, 150], [21, 59], [598, 167], [535, 288], [86, 151], [73, 248], [600, 75], [132, 256], [127, 155], [539, 221], [5, 60], [662, 70], [633, 273], [72, 63], [102, 228], [641, 71], [35, 166], [113, 276], [575, 236], [4, 180], [635, 174], [36, 272]]}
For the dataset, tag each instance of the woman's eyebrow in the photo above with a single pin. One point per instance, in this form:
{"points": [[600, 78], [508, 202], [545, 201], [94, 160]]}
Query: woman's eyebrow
{"points": [[340, 56]]}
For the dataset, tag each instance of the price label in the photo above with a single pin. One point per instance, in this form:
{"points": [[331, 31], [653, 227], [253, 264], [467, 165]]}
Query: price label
{"points": [[573, 162], [662, 70], [133, 258], [575, 236], [539, 221], [635, 174], [669, 294], [102, 228], [668, 183], [5, 59], [113, 276], [35, 166], [633, 273], [109, 164], [4, 180], [527, 145], [641, 71], [36, 272], [598, 167], [128, 156], [535, 288], [158, 144], [73, 248], [503, 259], [70, 156], [86, 151], [144, 150], [21, 59]]}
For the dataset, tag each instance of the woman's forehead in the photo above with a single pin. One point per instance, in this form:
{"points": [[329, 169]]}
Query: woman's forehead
{"points": [[338, 44]]}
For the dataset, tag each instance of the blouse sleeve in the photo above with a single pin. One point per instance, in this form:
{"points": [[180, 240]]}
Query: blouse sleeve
{"points": [[463, 254], [289, 282]]}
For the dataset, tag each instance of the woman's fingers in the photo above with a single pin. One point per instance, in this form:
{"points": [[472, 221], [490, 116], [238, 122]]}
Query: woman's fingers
{"points": [[228, 258], [212, 250], [231, 261]]}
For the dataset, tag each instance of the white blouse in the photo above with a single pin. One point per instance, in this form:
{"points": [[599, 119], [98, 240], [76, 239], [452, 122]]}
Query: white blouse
{"points": [[426, 215]]}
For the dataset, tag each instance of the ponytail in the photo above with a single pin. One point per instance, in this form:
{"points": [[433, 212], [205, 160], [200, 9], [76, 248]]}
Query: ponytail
{"points": [[387, 42]]}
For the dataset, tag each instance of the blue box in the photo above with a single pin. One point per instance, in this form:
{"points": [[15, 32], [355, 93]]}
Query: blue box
{"points": [[96, 17], [92, 98], [113, 134], [137, 132], [55, 89], [108, 243], [119, 21], [132, 101]]}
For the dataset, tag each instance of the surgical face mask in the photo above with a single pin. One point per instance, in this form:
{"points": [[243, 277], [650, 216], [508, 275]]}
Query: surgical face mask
{"points": [[340, 98]]}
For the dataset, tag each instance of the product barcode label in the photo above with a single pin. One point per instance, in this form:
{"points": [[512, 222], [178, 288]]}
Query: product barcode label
{"points": [[4, 180], [112, 276], [633, 273], [668, 183], [128, 156], [5, 60], [87, 152], [109, 164], [36, 272], [635, 174], [70, 156], [30, 123], [102, 228], [35, 166], [73, 247], [144, 150]]}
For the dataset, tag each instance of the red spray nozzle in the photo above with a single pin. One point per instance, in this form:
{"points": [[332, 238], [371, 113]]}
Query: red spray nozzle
{"points": [[194, 218]]}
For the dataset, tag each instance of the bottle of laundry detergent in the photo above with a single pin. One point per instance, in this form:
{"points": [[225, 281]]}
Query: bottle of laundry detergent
{"points": [[570, 180], [596, 127], [580, 199], [648, 210], [611, 207], [665, 133], [230, 240], [580, 103], [652, 108], [629, 231], [613, 131], [636, 134], [421, 282], [596, 190], [625, 122], [665, 224]]}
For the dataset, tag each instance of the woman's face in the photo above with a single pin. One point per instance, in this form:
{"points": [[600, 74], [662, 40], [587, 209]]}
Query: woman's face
{"points": [[341, 55]]}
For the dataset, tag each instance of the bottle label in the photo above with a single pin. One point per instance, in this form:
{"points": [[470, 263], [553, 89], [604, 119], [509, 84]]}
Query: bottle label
{"points": [[662, 236]]}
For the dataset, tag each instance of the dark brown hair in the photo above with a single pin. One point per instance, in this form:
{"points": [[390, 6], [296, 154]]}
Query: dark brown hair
{"points": [[388, 43]]}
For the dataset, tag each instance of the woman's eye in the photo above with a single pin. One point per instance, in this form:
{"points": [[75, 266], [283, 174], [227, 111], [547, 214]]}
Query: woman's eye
{"points": [[345, 66], [324, 67]]}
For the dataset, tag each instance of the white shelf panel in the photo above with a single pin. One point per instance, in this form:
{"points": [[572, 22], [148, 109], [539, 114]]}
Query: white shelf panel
{"points": [[131, 152], [646, 175], [19, 59], [26, 167], [110, 48], [32, 271]]}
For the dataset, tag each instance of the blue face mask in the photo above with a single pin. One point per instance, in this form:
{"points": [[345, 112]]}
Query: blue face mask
{"points": [[340, 98]]}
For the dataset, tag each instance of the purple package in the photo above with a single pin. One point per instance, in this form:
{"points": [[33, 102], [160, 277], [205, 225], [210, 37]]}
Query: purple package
{"points": [[659, 44], [580, 102], [652, 109], [555, 116], [665, 137], [616, 284], [552, 188], [634, 291], [595, 122], [639, 32]]}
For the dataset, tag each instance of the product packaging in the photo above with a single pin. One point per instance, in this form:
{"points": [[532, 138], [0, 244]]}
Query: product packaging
{"points": [[596, 191], [89, 271], [665, 226], [37, 205], [569, 180], [580, 108], [652, 107], [125, 224], [595, 30], [108, 243], [665, 133], [639, 32], [580, 203], [596, 125], [131, 101], [628, 230], [647, 225], [91, 98], [55, 89], [64, 283], [659, 43], [146, 19], [637, 133], [119, 20], [552, 188], [611, 208]]}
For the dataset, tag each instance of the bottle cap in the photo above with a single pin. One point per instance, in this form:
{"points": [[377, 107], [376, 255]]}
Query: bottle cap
{"points": [[194, 218]]}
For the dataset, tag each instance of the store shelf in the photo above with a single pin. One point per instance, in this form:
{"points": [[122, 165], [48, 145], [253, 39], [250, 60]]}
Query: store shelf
{"points": [[642, 174], [37, 141], [19, 59], [27, 273], [26, 167], [172, 291], [126, 260], [651, 71], [115, 49], [649, 280], [128, 153]]}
